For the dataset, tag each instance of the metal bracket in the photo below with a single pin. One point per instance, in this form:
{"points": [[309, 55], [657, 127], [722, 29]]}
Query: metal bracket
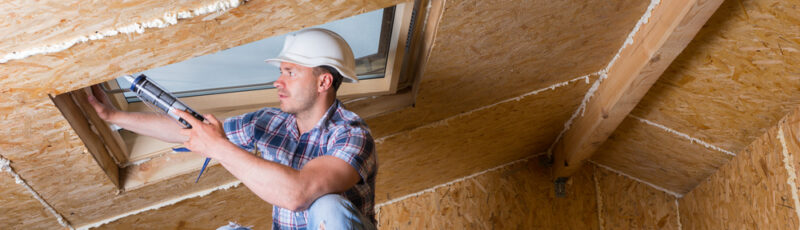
{"points": [[545, 161], [561, 190]]}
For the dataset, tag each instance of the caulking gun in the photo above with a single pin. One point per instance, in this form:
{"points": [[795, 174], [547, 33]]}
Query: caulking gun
{"points": [[151, 93]]}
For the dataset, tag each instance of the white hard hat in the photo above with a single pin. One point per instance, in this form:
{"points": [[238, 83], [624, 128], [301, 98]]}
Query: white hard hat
{"points": [[317, 47]]}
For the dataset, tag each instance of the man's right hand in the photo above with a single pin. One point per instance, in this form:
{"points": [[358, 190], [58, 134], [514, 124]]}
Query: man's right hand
{"points": [[145, 123], [101, 103]]}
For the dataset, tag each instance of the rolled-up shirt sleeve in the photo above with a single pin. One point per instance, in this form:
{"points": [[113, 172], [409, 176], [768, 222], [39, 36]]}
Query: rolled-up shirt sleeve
{"points": [[241, 130], [356, 147]]}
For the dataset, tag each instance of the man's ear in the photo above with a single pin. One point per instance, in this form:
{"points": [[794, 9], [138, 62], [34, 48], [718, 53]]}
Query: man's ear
{"points": [[325, 82]]}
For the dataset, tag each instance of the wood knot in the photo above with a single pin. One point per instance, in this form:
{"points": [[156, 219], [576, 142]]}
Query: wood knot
{"points": [[655, 58]]}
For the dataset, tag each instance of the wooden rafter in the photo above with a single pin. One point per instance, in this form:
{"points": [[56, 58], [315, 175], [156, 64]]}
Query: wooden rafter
{"points": [[670, 28]]}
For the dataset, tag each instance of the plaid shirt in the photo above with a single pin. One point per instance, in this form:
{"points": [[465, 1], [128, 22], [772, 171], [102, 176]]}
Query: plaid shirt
{"points": [[340, 133]]}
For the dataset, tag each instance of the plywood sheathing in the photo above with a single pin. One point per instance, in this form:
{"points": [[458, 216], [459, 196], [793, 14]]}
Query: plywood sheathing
{"points": [[752, 191], [488, 51], [33, 24], [474, 141], [100, 60], [628, 204], [654, 155], [54, 162], [736, 78], [20, 209], [237, 204], [518, 196], [789, 136]]}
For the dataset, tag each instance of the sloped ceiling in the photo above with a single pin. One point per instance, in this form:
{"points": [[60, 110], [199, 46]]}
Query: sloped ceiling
{"points": [[733, 82], [502, 79]]}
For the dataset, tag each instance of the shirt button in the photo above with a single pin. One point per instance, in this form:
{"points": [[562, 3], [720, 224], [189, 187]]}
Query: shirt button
{"points": [[297, 214]]}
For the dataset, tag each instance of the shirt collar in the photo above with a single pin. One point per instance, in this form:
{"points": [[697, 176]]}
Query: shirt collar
{"points": [[320, 124]]}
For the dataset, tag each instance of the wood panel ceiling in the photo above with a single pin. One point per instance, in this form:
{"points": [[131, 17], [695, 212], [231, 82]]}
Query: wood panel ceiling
{"points": [[483, 99], [488, 51], [735, 80]]}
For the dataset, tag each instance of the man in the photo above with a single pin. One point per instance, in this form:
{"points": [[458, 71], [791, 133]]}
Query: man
{"points": [[317, 165]]}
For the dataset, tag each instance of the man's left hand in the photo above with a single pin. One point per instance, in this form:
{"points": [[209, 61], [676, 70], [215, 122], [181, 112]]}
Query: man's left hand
{"points": [[204, 136]]}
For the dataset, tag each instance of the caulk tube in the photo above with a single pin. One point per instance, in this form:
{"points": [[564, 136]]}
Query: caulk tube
{"points": [[151, 93]]}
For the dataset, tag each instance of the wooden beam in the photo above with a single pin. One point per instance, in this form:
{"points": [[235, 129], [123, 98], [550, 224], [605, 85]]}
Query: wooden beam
{"points": [[670, 28], [79, 122]]}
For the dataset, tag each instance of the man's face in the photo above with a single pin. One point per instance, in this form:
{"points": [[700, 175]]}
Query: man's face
{"points": [[297, 87]]}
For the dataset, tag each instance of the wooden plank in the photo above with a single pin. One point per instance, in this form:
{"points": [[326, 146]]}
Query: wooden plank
{"points": [[162, 168], [670, 28], [518, 196], [80, 124], [20, 210], [749, 192], [107, 136], [32, 24], [214, 210], [628, 204]]}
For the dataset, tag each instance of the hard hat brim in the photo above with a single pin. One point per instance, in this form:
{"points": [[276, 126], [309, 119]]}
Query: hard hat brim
{"points": [[349, 76]]}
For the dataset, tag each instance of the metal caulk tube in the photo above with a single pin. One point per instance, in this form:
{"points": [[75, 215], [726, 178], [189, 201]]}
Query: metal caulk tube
{"points": [[153, 94]]}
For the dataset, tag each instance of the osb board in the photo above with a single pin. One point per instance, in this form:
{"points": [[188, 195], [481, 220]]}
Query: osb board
{"points": [[100, 60], [791, 132], [441, 152], [32, 23], [55, 164], [628, 204], [47, 152], [750, 192], [487, 51], [20, 210], [237, 204], [736, 78], [519, 196], [659, 157]]}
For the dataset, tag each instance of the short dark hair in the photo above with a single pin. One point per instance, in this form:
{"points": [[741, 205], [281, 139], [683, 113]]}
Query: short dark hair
{"points": [[337, 77]]}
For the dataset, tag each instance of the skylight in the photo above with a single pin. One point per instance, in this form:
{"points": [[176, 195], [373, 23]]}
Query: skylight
{"points": [[243, 68]]}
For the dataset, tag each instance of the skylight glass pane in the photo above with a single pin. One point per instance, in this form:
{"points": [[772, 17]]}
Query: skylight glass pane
{"points": [[243, 68]]}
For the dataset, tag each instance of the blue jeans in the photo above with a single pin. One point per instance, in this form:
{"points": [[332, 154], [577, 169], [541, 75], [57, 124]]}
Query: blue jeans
{"points": [[331, 211], [336, 212]]}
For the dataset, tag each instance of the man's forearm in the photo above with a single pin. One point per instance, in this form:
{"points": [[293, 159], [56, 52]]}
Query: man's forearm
{"points": [[149, 124], [272, 182]]}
